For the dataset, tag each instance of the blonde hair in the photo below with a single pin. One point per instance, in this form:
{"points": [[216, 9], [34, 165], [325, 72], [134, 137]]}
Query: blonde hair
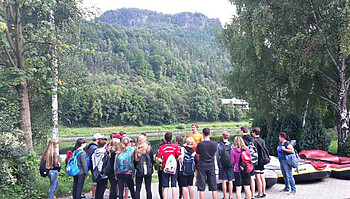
{"points": [[190, 141], [239, 143], [114, 144], [50, 155], [141, 148], [122, 148]]}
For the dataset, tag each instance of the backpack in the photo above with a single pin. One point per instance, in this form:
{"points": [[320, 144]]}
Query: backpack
{"points": [[225, 159], [189, 164], [123, 162], [69, 155], [43, 170], [107, 166], [170, 165], [96, 173], [254, 153], [264, 157], [144, 167], [72, 168], [245, 162], [293, 159]]}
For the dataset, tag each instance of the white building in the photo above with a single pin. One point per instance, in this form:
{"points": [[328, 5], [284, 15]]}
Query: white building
{"points": [[237, 102]]}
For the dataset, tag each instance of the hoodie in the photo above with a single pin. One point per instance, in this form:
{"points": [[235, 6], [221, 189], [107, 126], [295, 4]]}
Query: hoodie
{"points": [[97, 160], [235, 155]]}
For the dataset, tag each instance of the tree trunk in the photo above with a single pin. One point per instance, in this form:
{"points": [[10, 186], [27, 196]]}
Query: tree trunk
{"points": [[54, 98], [24, 115], [343, 113]]}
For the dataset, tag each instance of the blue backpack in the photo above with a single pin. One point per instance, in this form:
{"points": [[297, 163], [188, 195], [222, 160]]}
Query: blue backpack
{"points": [[189, 165], [123, 162], [72, 168]]}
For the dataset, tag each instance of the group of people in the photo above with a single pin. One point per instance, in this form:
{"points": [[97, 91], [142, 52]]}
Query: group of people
{"points": [[124, 161]]}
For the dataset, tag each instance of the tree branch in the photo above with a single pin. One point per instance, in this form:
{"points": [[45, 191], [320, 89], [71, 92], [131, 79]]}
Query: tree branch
{"points": [[331, 81], [8, 35], [333, 104], [9, 57], [3, 58]]}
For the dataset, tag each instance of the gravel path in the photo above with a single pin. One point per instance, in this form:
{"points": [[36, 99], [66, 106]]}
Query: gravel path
{"points": [[325, 189]]}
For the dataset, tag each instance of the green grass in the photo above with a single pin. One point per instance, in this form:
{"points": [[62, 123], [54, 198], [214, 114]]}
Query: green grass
{"points": [[89, 131]]}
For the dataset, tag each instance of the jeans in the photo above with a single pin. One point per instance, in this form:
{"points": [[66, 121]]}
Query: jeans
{"points": [[125, 179], [287, 173], [101, 187], [78, 185], [53, 176], [113, 189]]}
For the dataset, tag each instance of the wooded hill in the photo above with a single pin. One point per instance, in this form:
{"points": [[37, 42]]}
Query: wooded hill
{"points": [[147, 68]]}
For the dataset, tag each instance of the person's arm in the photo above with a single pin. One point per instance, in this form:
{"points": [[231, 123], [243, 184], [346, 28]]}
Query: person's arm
{"points": [[178, 153], [233, 157], [160, 155], [82, 160], [115, 166], [289, 148], [218, 156], [151, 155]]}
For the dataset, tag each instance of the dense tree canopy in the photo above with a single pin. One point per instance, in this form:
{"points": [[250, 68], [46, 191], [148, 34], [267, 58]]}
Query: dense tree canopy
{"points": [[289, 55]]}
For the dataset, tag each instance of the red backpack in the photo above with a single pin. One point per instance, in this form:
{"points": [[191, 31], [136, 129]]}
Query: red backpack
{"points": [[245, 162], [69, 155]]}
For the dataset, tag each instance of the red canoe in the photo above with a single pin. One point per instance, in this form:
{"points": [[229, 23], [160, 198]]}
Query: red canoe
{"points": [[340, 166]]}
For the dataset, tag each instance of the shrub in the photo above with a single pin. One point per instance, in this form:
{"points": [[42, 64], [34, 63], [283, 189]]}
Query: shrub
{"points": [[314, 135], [181, 126], [260, 122]]}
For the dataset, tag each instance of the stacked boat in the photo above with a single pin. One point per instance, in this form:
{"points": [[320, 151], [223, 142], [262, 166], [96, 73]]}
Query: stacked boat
{"points": [[305, 171], [340, 166]]}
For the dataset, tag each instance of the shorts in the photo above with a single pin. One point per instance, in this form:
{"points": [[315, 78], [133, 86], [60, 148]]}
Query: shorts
{"points": [[242, 178], [185, 181], [166, 177], [252, 173], [206, 176], [259, 169], [226, 173]]}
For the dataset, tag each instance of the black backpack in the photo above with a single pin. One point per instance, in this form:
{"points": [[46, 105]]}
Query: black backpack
{"points": [[144, 167], [264, 157], [225, 158], [107, 167], [43, 170]]}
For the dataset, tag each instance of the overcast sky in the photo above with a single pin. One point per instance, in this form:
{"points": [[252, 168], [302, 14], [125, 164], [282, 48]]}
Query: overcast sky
{"points": [[221, 9]]}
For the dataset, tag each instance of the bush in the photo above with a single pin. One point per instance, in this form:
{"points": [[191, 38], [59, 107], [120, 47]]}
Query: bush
{"points": [[314, 135], [181, 126], [260, 122]]}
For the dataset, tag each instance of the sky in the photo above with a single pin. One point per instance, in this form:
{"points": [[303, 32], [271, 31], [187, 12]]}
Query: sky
{"points": [[221, 9]]}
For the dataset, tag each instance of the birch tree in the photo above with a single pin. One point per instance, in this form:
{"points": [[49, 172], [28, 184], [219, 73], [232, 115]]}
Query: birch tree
{"points": [[290, 55]]}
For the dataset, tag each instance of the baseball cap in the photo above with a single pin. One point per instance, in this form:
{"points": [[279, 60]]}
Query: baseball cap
{"points": [[117, 136], [97, 136]]}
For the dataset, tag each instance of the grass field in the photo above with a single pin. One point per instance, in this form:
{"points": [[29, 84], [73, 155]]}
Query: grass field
{"points": [[89, 131]]}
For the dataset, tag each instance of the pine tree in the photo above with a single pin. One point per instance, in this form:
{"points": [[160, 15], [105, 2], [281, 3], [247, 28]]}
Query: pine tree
{"points": [[314, 134]]}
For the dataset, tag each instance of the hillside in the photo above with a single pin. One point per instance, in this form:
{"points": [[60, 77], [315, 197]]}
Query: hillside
{"points": [[148, 68]]}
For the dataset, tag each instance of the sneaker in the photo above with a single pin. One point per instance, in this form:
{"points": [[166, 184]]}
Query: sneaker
{"points": [[291, 193], [284, 190]]}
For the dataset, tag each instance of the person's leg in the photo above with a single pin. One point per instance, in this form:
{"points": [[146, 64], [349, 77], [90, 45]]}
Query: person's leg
{"points": [[259, 183], [121, 185], [201, 180], [252, 182], [190, 186], [179, 182], [230, 189], [130, 182], [239, 192], [138, 186], [80, 185], [53, 176], [148, 185], [213, 187], [165, 184], [224, 188], [289, 171], [173, 185], [263, 183], [201, 195], [160, 186], [283, 169], [184, 192], [101, 186], [247, 191], [126, 192], [93, 188], [113, 188]]}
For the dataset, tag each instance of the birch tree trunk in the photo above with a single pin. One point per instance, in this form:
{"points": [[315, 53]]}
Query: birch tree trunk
{"points": [[54, 86]]}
